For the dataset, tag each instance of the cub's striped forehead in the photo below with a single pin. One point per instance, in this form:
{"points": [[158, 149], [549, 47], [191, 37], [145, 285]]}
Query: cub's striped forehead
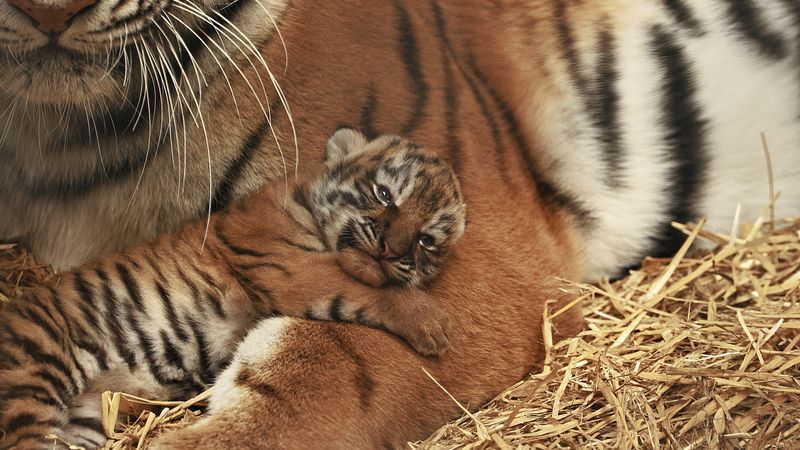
{"points": [[408, 170]]}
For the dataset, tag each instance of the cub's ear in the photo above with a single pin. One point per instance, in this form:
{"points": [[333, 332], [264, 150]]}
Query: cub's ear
{"points": [[344, 142]]}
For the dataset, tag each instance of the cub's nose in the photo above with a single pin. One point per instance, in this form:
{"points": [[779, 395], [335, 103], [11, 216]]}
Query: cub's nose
{"points": [[51, 20], [388, 253]]}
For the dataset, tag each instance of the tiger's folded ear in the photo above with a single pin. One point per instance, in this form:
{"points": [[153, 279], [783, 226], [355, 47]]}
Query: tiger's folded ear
{"points": [[344, 142]]}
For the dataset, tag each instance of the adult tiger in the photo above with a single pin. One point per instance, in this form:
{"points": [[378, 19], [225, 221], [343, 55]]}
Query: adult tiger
{"points": [[579, 131]]}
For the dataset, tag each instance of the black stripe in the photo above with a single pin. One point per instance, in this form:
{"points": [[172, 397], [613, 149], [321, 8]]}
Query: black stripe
{"points": [[794, 9], [35, 352], [130, 286], [224, 192], [409, 52], [81, 340], [90, 423], [605, 112], [335, 309], [746, 17], [272, 265], [489, 118], [567, 43], [216, 303], [204, 360], [19, 421], [238, 250], [172, 317], [81, 185], [685, 130], [147, 347], [68, 323], [683, 16], [86, 294], [112, 317], [546, 190], [172, 355], [368, 113], [290, 243], [35, 318], [61, 389], [450, 97], [364, 382], [33, 393]]}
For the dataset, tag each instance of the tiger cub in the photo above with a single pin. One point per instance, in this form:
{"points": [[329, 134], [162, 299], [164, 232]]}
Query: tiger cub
{"points": [[164, 318]]}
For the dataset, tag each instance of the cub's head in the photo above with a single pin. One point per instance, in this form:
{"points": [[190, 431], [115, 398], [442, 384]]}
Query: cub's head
{"points": [[393, 208]]}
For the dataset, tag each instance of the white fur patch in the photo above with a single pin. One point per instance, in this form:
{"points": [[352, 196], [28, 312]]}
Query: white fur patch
{"points": [[258, 347]]}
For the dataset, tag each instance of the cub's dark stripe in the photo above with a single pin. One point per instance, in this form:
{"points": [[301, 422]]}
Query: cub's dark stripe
{"points": [[148, 257], [71, 324], [91, 423], [605, 113], [112, 316], [309, 314], [131, 287], [409, 52], [365, 384], [368, 113], [684, 133], [296, 245], [166, 301], [216, 304], [224, 191], [20, 421], [450, 97], [34, 351], [34, 317], [172, 355], [746, 17], [203, 358], [60, 387], [147, 347], [272, 265], [335, 309], [207, 278], [547, 191], [683, 15], [241, 251]]}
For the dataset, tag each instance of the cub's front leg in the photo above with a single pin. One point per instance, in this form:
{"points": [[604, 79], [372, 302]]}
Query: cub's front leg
{"points": [[312, 285]]}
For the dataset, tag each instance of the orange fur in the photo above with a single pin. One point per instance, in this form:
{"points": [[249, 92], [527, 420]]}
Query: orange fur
{"points": [[348, 386]]}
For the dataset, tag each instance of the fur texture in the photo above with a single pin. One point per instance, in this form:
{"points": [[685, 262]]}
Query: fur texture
{"points": [[579, 131]]}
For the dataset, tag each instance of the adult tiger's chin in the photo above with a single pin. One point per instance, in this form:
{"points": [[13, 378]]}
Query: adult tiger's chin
{"points": [[61, 77]]}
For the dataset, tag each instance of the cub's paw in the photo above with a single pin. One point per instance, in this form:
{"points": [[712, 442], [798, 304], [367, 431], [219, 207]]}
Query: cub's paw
{"points": [[428, 331], [361, 266]]}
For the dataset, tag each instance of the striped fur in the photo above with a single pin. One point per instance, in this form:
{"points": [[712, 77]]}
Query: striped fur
{"points": [[579, 129], [164, 318]]}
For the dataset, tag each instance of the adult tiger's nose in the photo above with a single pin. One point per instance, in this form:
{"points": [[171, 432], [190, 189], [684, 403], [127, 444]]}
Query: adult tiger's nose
{"points": [[51, 20]]}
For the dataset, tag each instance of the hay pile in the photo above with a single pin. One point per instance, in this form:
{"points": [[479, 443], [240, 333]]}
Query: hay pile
{"points": [[692, 352]]}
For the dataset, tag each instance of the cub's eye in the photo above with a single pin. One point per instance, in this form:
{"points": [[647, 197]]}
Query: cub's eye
{"points": [[427, 241], [383, 194]]}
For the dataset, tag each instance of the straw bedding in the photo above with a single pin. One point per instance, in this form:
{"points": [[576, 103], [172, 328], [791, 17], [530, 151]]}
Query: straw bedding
{"points": [[700, 351]]}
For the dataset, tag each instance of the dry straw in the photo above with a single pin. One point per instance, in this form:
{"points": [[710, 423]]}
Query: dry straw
{"points": [[687, 353]]}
